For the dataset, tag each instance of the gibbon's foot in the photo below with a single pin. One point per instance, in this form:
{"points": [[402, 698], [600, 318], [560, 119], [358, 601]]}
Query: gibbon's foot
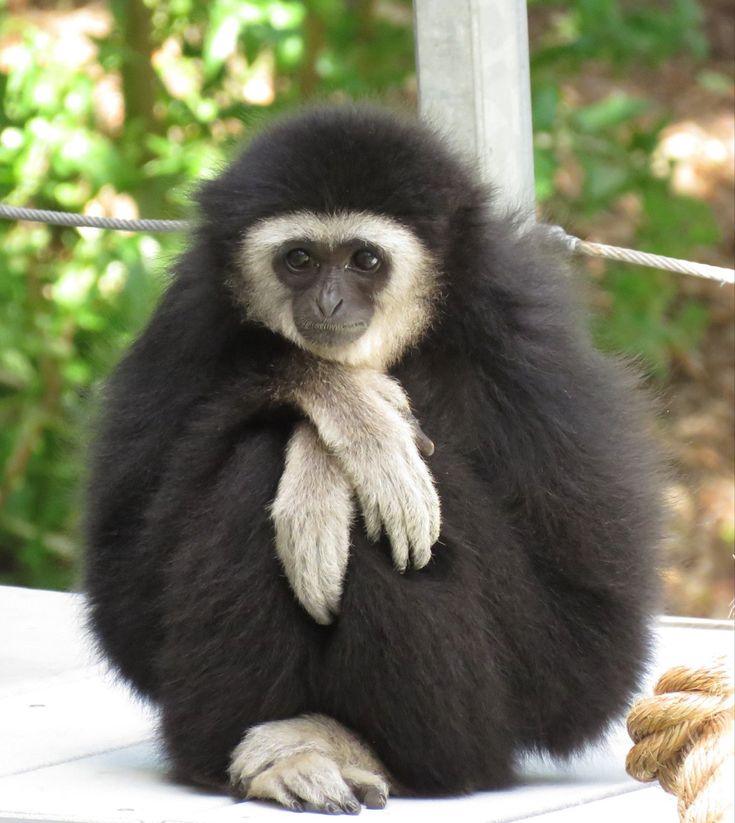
{"points": [[312, 515], [308, 763]]}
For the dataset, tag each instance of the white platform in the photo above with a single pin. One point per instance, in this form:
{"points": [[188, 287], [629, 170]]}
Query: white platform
{"points": [[75, 748]]}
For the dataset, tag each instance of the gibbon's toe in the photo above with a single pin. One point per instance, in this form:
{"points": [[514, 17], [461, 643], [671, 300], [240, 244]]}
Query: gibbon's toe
{"points": [[371, 789], [306, 781], [311, 763]]}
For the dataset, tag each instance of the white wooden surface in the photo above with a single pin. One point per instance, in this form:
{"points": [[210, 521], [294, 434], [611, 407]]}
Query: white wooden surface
{"points": [[75, 748]]}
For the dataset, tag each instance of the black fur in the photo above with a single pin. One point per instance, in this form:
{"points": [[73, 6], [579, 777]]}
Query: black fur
{"points": [[528, 630]]}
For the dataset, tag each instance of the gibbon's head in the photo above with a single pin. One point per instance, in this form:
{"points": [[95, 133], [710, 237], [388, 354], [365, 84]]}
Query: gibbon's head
{"points": [[333, 225]]}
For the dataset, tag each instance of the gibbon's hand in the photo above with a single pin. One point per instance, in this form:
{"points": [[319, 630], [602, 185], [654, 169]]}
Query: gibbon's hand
{"points": [[363, 417], [312, 514]]}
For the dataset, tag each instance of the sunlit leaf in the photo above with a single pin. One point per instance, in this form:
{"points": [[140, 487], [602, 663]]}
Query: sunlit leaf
{"points": [[609, 113]]}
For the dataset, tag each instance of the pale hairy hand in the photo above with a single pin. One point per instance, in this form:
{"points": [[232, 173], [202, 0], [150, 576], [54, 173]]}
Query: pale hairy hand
{"points": [[396, 493], [312, 514], [364, 418]]}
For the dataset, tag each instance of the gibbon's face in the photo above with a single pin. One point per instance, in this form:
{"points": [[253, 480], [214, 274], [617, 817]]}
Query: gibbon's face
{"points": [[354, 287], [333, 286]]}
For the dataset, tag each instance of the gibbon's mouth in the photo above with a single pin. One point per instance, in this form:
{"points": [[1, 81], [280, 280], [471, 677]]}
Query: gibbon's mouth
{"points": [[326, 332], [325, 325]]}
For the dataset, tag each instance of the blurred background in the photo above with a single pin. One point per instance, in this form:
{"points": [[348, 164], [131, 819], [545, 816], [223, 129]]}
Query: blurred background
{"points": [[116, 108]]}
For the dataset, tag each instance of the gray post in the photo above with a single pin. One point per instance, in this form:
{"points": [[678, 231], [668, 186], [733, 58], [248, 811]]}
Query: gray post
{"points": [[474, 83]]}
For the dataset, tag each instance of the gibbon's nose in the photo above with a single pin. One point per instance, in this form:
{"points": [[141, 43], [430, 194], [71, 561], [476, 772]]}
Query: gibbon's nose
{"points": [[328, 302]]}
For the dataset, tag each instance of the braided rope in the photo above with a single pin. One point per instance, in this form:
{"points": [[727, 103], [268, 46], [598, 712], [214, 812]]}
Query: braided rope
{"points": [[655, 261], [573, 244], [683, 736], [66, 218]]}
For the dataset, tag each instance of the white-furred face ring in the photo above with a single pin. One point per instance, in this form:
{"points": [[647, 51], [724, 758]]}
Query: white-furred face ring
{"points": [[401, 309]]}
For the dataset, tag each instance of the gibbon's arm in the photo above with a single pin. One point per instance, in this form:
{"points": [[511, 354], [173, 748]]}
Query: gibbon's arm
{"points": [[312, 515], [363, 419], [147, 404], [171, 366], [540, 408]]}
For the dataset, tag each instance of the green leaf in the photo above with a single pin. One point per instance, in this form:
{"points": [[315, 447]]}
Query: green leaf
{"points": [[604, 179], [715, 82], [222, 37], [544, 104], [614, 110], [545, 165]]}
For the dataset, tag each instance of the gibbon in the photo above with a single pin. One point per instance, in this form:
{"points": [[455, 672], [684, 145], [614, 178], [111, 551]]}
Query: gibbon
{"points": [[367, 512]]}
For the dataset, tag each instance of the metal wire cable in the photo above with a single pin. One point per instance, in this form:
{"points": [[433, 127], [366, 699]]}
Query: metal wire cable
{"points": [[642, 258], [574, 244], [66, 218]]}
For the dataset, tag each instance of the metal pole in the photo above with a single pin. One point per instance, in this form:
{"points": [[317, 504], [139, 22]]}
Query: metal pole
{"points": [[474, 83]]}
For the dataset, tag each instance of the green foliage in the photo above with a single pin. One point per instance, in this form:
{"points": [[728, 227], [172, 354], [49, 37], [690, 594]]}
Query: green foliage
{"points": [[649, 319], [617, 32], [194, 78], [71, 300], [611, 142]]}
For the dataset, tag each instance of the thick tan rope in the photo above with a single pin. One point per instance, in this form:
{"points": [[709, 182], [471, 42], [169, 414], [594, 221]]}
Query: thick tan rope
{"points": [[684, 736]]}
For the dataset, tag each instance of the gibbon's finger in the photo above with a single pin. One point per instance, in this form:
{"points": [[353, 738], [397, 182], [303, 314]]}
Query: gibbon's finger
{"points": [[420, 553], [435, 518], [319, 578], [399, 543], [315, 570], [304, 576], [320, 613], [331, 597], [424, 444], [436, 528], [419, 526], [371, 516], [432, 503]]}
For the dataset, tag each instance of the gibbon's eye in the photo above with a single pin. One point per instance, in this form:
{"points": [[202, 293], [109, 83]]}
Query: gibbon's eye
{"points": [[298, 260], [365, 260]]}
